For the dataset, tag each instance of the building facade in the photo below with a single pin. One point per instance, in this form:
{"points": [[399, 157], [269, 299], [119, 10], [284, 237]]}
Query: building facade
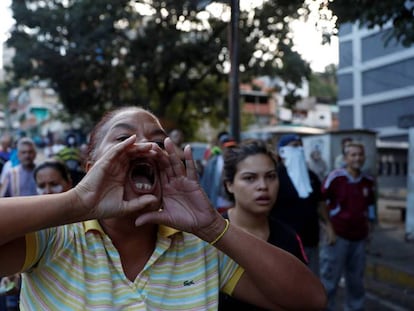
{"points": [[375, 82], [263, 101]]}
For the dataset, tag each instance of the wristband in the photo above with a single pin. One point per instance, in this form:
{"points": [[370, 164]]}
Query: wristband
{"points": [[226, 227]]}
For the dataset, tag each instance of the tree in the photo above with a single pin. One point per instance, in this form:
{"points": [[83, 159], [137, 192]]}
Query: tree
{"points": [[372, 13], [323, 85], [163, 55]]}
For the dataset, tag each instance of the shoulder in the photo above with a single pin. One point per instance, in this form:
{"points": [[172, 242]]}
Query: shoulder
{"points": [[368, 177], [336, 173]]}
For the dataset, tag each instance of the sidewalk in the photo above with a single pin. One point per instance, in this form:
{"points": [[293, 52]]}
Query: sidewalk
{"points": [[390, 260]]}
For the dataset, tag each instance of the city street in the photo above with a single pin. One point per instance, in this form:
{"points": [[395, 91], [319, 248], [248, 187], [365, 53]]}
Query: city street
{"points": [[375, 302], [389, 278]]}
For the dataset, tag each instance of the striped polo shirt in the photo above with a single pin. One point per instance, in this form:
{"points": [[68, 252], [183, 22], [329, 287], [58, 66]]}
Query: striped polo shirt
{"points": [[76, 267]]}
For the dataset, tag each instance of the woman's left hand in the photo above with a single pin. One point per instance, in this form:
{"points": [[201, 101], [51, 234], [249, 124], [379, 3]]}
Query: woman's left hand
{"points": [[185, 205]]}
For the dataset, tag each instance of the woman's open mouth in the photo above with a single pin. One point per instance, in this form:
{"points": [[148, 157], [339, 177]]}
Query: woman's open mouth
{"points": [[143, 177]]}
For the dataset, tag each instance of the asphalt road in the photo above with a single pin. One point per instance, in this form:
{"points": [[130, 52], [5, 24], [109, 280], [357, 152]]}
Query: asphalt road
{"points": [[378, 302]]}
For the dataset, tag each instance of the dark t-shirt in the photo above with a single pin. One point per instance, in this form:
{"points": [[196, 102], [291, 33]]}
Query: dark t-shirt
{"points": [[300, 214], [281, 236]]}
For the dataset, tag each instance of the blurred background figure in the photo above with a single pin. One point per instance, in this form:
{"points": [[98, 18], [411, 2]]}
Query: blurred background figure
{"points": [[13, 160], [6, 142], [71, 156], [299, 203], [18, 180], [340, 158], [317, 164], [250, 178], [211, 180], [53, 144], [52, 176], [351, 198]]}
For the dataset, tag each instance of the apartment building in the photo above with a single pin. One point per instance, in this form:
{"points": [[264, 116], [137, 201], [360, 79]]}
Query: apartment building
{"points": [[375, 83]]}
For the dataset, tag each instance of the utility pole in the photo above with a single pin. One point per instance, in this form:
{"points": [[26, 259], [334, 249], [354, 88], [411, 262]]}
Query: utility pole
{"points": [[234, 92], [233, 42]]}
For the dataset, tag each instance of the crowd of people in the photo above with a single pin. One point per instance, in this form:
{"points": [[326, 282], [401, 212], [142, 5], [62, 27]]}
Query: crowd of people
{"points": [[331, 213], [137, 232], [59, 169], [128, 222]]}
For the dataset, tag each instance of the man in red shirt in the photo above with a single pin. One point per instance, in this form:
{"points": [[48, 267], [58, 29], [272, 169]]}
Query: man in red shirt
{"points": [[350, 197]]}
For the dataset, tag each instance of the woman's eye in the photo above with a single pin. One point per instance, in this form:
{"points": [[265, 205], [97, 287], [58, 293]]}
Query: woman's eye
{"points": [[272, 176], [160, 144], [248, 178], [122, 137]]}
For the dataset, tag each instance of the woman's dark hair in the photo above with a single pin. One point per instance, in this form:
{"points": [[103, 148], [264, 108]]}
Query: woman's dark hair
{"points": [[56, 165], [233, 156]]}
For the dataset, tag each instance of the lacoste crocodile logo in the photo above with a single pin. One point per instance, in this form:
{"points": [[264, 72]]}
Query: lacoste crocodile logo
{"points": [[188, 282]]}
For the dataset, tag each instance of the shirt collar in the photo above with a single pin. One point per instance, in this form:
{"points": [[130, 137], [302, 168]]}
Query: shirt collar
{"points": [[93, 225]]}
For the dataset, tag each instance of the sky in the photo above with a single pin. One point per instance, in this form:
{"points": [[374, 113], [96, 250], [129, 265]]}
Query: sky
{"points": [[307, 40], [308, 43], [6, 21]]}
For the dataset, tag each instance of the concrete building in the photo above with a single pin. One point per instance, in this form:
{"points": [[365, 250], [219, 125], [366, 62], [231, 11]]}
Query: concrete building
{"points": [[375, 82], [376, 92], [263, 99], [33, 110]]}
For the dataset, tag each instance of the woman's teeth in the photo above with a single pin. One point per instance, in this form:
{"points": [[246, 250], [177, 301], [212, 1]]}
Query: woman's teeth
{"points": [[142, 186]]}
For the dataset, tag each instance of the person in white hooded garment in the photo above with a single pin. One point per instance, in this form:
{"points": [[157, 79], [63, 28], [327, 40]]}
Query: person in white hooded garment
{"points": [[299, 203]]}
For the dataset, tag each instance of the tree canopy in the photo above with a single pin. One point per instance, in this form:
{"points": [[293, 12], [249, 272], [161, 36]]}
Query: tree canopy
{"points": [[323, 85], [371, 13], [170, 56]]}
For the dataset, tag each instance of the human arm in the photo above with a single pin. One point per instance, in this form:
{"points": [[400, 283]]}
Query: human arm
{"points": [[324, 215], [99, 195], [323, 210], [273, 278]]}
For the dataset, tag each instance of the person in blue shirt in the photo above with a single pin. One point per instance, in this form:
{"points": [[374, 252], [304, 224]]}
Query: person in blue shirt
{"points": [[211, 180]]}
